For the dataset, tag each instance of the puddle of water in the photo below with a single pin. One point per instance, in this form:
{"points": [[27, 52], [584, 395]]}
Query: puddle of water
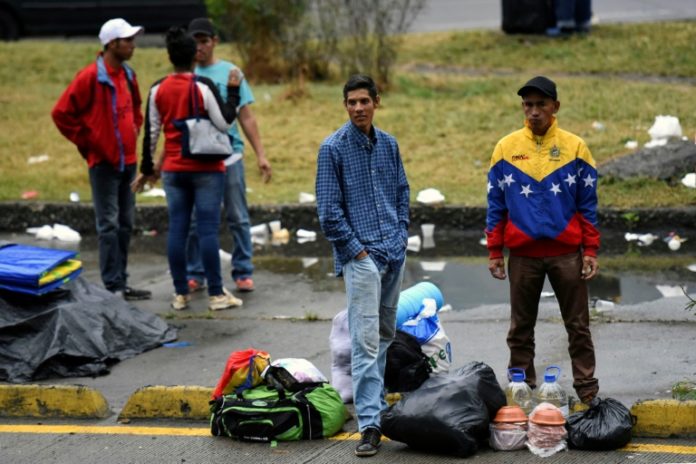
{"points": [[467, 283], [457, 264]]}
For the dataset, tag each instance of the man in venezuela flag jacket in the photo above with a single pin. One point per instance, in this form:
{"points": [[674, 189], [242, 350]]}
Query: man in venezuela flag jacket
{"points": [[542, 206]]}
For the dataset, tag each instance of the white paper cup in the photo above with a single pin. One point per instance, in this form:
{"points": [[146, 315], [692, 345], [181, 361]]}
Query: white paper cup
{"points": [[427, 230], [306, 197], [275, 226], [259, 230]]}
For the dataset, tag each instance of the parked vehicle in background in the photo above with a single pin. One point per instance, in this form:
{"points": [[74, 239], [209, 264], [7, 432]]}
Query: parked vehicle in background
{"points": [[20, 18]]}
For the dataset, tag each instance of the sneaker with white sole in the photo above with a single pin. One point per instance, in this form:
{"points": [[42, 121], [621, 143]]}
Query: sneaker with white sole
{"points": [[224, 301], [180, 302]]}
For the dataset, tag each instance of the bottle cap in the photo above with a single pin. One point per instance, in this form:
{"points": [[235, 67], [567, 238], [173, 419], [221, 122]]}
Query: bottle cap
{"points": [[550, 376], [516, 374]]}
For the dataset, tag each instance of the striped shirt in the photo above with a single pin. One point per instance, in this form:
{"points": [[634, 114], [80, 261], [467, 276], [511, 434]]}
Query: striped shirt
{"points": [[362, 196]]}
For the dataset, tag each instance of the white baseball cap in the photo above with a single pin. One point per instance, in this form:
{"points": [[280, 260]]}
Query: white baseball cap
{"points": [[117, 29]]}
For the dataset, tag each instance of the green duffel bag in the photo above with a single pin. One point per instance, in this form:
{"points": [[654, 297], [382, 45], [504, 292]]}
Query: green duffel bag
{"points": [[266, 413]]}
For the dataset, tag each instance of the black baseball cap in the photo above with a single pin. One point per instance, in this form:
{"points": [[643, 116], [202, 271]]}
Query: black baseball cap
{"points": [[201, 26], [540, 84]]}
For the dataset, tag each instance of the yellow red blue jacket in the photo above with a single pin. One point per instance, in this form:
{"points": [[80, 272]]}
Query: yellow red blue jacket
{"points": [[542, 195]]}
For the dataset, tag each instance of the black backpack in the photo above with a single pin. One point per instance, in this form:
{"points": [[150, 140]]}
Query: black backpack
{"points": [[407, 367]]}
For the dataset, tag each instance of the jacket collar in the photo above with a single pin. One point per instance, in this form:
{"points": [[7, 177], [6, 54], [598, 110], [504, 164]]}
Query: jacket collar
{"points": [[549, 133], [103, 73]]}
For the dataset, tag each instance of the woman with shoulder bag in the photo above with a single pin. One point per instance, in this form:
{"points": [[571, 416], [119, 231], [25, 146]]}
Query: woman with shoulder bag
{"points": [[190, 111]]}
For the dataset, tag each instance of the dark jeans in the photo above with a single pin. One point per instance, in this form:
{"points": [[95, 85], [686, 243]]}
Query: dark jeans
{"points": [[184, 191], [114, 209], [237, 215], [526, 282], [573, 13]]}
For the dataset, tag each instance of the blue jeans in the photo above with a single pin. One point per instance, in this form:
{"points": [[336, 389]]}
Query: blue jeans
{"points": [[373, 297], [184, 191], [237, 215], [114, 209], [573, 13]]}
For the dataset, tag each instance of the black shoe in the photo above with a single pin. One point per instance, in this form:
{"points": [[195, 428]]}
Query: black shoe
{"points": [[133, 294], [369, 442]]}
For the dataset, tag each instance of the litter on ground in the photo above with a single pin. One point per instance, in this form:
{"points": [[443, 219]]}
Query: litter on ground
{"points": [[57, 231], [430, 196], [689, 180], [37, 159]]}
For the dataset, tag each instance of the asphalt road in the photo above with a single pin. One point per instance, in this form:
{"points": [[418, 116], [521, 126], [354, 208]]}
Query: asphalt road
{"points": [[642, 350], [442, 15]]}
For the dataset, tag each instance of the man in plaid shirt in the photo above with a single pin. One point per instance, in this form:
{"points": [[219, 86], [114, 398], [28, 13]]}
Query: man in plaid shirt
{"points": [[363, 207]]}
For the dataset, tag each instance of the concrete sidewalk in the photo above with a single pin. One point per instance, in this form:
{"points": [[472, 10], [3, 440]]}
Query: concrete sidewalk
{"points": [[642, 350]]}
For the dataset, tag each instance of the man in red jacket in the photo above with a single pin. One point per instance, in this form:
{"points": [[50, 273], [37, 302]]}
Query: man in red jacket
{"points": [[100, 113]]}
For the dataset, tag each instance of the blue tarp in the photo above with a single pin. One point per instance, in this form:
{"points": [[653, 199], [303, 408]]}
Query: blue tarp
{"points": [[22, 266]]}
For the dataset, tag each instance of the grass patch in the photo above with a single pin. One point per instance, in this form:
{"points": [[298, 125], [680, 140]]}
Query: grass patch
{"points": [[684, 390], [662, 49], [447, 123], [647, 265]]}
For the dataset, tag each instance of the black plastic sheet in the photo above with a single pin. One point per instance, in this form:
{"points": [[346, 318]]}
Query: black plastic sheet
{"points": [[79, 330], [449, 413]]}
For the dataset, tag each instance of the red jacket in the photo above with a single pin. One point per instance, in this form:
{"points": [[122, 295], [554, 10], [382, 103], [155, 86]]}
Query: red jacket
{"points": [[86, 112], [169, 100]]}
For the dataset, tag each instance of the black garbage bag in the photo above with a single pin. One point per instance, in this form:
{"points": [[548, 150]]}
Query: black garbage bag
{"points": [[79, 330], [407, 366], [447, 414], [606, 425]]}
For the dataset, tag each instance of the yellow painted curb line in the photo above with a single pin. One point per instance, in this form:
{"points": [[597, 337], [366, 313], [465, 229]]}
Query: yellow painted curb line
{"points": [[664, 418], [75, 401], [162, 402]]}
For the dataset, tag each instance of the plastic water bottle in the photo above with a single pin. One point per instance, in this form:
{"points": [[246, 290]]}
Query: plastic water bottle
{"points": [[551, 391], [518, 393]]}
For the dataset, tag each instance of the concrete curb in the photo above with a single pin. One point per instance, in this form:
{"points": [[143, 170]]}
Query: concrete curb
{"points": [[664, 418], [57, 401], [168, 402], [16, 216], [654, 418]]}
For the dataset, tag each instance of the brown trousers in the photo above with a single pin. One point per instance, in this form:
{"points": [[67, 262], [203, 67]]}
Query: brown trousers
{"points": [[526, 282]]}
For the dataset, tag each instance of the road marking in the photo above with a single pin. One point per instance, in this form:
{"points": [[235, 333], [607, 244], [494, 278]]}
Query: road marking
{"points": [[128, 430], [652, 448], [106, 430], [205, 432]]}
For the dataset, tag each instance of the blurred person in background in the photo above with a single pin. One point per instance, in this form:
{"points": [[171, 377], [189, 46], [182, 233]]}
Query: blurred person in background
{"points": [[189, 182], [572, 16], [236, 209], [100, 113]]}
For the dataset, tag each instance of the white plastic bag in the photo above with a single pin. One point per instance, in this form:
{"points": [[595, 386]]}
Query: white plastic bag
{"points": [[301, 369], [663, 128], [439, 350], [339, 341], [428, 330], [546, 440], [507, 437]]}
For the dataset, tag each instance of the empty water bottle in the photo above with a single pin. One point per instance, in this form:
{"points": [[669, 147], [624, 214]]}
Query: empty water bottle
{"points": [[518, 392], [551, 391]]}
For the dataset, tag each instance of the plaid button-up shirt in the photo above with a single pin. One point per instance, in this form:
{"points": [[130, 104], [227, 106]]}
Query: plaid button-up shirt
{"points": [[363, 196]]}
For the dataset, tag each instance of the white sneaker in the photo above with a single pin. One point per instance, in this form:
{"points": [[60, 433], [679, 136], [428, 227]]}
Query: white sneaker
{"points": [[180, 302], [224, 301]]}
